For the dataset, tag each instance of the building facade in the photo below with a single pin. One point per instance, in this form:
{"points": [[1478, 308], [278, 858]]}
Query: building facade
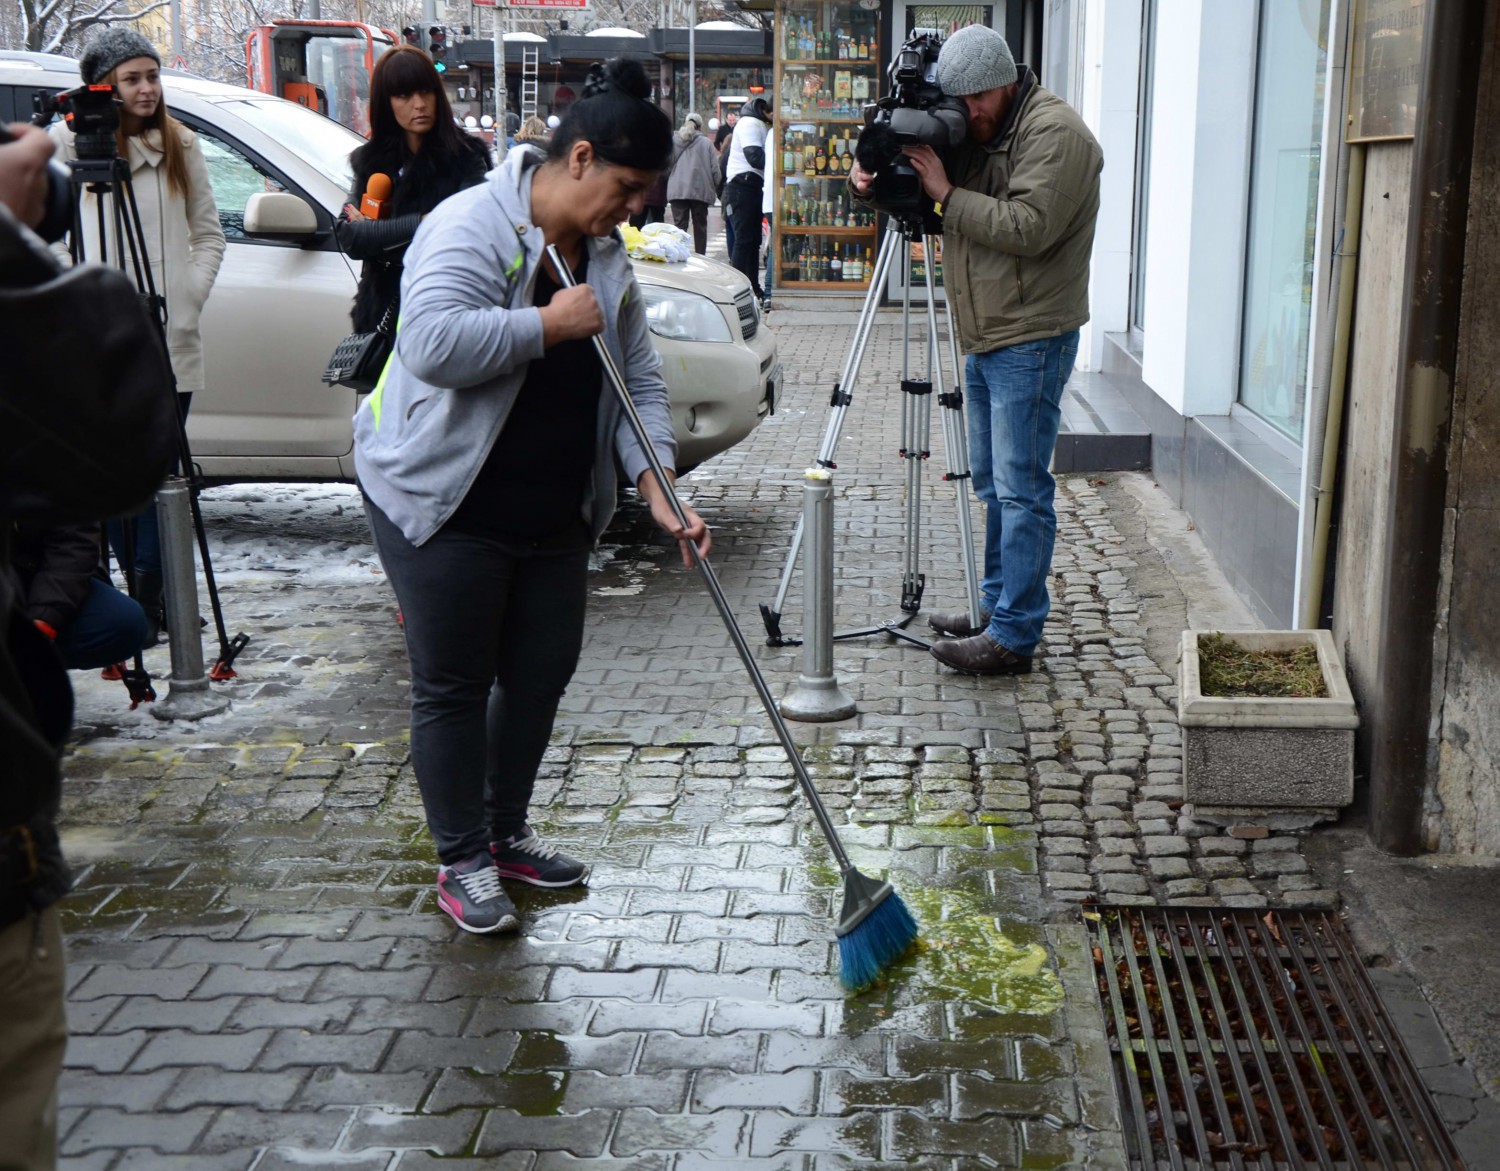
{"points": [[1305, 332]]}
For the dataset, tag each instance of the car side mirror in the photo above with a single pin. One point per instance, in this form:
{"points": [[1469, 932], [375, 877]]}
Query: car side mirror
{"points": [[277, 213]]}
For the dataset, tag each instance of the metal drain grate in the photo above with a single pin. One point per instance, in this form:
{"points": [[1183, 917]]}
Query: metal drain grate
{"points": [[1254, 1040]]}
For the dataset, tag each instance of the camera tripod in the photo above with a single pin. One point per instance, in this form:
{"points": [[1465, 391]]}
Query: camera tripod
{"points": [[916, 417], [101, 176]]}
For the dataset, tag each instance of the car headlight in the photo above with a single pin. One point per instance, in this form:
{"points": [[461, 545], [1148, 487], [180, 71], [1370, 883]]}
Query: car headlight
{"points": [[684, 316]]}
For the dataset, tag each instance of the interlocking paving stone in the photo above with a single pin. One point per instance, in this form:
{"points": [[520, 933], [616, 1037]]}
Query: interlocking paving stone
{"points": [[270, 864]]}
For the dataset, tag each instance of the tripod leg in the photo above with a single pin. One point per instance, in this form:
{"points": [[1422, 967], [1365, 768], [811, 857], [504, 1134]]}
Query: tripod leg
{"points": [[956, 441], [915, 422], [843, 395]]}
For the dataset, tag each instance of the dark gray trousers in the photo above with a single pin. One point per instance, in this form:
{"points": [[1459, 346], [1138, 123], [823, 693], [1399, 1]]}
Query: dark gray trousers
{"points": [[493, 634]]}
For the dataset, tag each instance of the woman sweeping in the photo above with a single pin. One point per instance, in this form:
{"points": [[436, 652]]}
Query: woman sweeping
{"points": [[487, 457]]}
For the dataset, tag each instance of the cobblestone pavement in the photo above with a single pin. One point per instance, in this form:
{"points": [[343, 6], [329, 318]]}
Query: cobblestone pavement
{"points": [[259, 978]]}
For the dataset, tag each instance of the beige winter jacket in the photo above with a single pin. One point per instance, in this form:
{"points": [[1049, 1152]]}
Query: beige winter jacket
{"points": [[183, 238]]}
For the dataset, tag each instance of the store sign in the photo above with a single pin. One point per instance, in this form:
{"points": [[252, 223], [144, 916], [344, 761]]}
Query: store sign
{"points": [[531, 3], [1387, 69]]}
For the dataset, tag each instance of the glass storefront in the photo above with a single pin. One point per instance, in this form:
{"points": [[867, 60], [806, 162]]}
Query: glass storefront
{"points": [[1286, 161], [828, 65], [719, 88]]}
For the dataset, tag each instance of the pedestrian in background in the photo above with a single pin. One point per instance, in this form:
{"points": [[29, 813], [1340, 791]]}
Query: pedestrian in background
{"points": [[744, 187], [415, 142], [721, 146], [533, 131], [768, 216], [488, 461], [654, 211], [690, 187], [181, 235], [1019, 200]]}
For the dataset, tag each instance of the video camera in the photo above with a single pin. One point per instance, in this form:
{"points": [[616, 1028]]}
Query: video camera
{"points": [[91, 112], [915, 112]]}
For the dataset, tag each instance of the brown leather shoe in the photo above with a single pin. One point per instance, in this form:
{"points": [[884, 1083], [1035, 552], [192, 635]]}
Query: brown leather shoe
{"points": [[955, 623], [980, 655]]}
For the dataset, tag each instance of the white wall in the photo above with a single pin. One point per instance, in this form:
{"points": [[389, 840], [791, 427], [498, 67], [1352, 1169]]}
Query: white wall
{"points": [[1111, 82], [1202, 105]]}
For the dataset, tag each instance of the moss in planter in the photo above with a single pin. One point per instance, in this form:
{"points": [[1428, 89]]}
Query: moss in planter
{"points": [[1227, 669]]}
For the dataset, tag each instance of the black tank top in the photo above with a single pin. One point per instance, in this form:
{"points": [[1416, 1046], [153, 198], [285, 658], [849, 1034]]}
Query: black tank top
{"points": [[532, 486]]}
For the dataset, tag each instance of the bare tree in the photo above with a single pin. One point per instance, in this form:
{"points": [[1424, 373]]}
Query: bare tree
{"points": [[55, 26]]}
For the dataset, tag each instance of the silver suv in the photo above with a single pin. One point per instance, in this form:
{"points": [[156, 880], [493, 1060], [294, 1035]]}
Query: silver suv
{"points": [[280, 175]]}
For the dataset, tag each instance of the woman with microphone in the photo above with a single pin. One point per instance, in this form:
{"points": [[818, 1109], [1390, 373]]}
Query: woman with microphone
{"points": [[416, 157], [488, 457]]}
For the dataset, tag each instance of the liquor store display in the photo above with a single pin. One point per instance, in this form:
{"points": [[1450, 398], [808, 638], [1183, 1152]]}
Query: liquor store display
{"points": [[828, 64]]}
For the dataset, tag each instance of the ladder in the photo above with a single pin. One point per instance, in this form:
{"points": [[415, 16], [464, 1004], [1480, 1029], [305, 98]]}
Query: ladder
{"points": [[531, 59]]}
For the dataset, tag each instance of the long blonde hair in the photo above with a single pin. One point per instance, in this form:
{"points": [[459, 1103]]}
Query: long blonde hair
{"points": [[169, 130]]}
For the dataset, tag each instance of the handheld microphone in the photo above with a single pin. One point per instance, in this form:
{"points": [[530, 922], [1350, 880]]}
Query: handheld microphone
{"points": [[377, 195]]}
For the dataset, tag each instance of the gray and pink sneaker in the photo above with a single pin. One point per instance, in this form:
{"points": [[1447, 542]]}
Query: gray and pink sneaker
{"points": [[527, 858], [470, 892]]}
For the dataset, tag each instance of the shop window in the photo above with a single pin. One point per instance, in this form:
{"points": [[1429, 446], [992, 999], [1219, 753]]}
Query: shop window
{"points": [[1285, 169]]}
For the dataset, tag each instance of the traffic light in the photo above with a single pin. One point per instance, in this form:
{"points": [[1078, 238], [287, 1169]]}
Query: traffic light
{"points": [[437, 45], [412, 36]]}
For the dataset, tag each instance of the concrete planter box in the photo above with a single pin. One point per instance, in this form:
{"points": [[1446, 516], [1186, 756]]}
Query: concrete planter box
{"points": [[1289, 762]]}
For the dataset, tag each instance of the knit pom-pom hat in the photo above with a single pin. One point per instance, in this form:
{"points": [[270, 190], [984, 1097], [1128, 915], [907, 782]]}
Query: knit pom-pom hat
{"points": [[110, 47]]}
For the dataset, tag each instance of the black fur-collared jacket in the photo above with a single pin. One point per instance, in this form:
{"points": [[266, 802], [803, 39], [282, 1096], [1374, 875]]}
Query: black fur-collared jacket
{"points": [[422, 181]]}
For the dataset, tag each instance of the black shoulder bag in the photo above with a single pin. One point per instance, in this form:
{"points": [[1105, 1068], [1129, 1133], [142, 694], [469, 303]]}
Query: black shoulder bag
{"points": [[359, 360]]}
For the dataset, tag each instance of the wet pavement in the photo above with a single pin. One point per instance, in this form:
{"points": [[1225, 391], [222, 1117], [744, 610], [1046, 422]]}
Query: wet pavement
{"points": [[259, 977]]}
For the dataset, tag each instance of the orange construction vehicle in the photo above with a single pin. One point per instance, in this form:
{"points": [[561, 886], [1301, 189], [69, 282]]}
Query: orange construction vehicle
{"points": [[321, 64]]}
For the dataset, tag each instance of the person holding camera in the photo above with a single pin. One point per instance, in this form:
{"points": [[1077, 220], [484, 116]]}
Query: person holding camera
{"points": [[84, 416], [181, 235], [744, 185], [1018, 200]]}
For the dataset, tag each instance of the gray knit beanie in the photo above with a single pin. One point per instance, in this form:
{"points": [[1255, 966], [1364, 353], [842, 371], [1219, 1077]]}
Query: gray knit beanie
{"points": [[974, 59], [109, 47]]}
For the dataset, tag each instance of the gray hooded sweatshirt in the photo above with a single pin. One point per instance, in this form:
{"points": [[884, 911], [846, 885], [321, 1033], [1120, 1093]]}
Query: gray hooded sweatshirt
{"points": [[467, 332]]}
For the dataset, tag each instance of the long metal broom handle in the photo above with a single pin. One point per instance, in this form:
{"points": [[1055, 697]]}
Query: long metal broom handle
{"points": [[783, 733]]}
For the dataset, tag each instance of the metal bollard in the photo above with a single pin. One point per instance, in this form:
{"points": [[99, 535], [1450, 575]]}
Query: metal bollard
{"points": [[188, 693], [817, 696]]}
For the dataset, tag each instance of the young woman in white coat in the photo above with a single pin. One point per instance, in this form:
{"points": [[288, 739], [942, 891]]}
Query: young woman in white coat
{"points": [[181, 233]]}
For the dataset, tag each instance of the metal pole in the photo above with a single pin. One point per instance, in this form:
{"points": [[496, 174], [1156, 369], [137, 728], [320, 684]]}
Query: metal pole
{"points": [[188, 694], [692, 77], [176, 11], [817, 696], [1404, 751], [498, 29]]}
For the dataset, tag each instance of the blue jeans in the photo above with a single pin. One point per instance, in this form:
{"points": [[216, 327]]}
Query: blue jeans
{"points": [[1014, 397], [109, 627]]}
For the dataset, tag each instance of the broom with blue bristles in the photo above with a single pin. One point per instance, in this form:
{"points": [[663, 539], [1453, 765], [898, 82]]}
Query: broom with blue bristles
{"points": [[874, 929]]}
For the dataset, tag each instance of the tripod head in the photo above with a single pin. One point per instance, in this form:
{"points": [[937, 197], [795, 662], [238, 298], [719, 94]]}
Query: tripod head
{"points": [[92, 113], [914, 223]]}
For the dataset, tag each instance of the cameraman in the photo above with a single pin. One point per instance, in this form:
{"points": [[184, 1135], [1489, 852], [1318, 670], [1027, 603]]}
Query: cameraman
{"points": [[35, 708], [1018, 228]]}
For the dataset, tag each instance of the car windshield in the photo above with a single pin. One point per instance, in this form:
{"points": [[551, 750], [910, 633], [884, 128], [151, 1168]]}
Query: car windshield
{"points": [[320, 142]]}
